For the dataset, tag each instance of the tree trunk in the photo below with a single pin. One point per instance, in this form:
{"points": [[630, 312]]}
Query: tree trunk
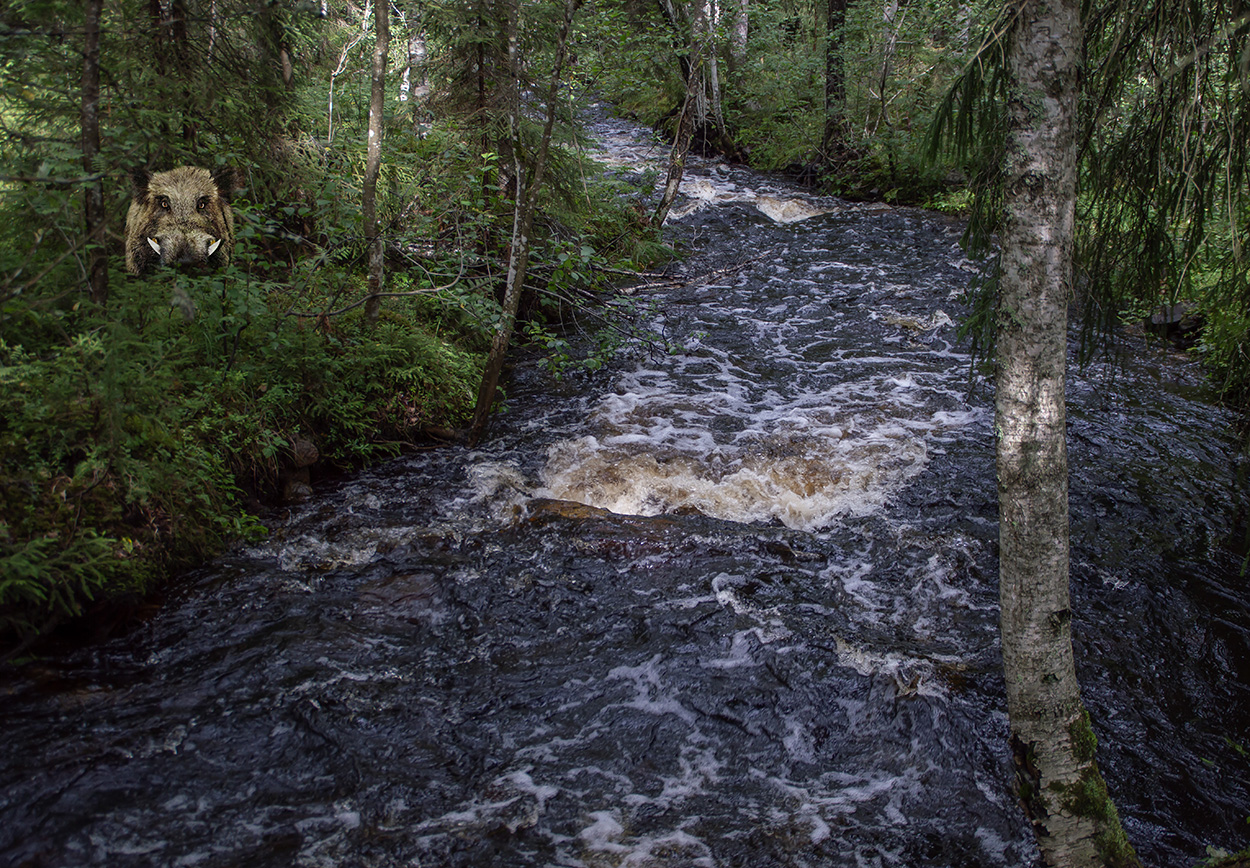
{"points": [[523, 210], [893, 23], [703, 32], [833, 142], [1052, 743], [373, 160], [738, 36], [688, 118], [95, 217], [211, 51], [415, 87], [677, 156]]}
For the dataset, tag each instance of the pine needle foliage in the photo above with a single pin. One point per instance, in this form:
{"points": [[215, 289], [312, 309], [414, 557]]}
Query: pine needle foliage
{"points": [[971, 122], [1164, 214], [1164, 203]]}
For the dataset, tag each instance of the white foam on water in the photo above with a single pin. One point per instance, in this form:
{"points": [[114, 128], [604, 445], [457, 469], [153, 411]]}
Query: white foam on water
{"points": [[512, 801], [607, 842], [650, 695], [804, 467]]}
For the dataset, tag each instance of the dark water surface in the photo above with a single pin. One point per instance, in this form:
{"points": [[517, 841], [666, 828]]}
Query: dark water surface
{"points": [[730, 607]]}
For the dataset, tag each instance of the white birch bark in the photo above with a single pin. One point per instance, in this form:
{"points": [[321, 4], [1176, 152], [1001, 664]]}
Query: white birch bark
{"points": [[1053, 746], [738, 35]]}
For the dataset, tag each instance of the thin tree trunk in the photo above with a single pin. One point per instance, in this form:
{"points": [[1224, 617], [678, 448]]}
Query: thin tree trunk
{"points": [[417, 84], [1052, 743], [677, 156], [156, 17], [688, 118], [523, 211], [893, 24], [738, 36], [184, 62], [373, 160], [212, 31], [833, 142], [95, 217], [706, 52], [714, 91]]}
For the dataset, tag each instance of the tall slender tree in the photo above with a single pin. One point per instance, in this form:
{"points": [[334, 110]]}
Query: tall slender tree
{"points": [[1052, 743], [833, 141], [1164, 191], [529, 182], [95, 218], [739, 31], [697, 113], [373, 159]]}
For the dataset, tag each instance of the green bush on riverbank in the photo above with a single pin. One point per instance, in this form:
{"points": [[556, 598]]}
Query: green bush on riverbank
{"points": [[142, 440], [144, 423]]}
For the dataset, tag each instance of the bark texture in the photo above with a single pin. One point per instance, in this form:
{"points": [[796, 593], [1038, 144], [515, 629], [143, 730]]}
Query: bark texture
{"points": [[373, 160], [1052, 743]]}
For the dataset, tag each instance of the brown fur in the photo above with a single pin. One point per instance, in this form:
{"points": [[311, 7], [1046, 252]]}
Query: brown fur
{"points": [[184, 212]]}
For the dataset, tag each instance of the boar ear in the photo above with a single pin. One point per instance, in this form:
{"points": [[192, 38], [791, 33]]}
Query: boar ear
{"points": [[226, 179], [139, 179]]}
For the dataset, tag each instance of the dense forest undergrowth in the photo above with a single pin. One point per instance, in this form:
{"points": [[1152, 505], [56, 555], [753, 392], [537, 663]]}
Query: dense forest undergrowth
{"points": [[145, 421], [148, 420]]}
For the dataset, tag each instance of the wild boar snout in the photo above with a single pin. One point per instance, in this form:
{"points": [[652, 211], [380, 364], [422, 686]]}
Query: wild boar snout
{"points": [[183, 248]]}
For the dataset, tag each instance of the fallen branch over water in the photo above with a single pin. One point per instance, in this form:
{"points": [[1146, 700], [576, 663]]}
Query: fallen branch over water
{"points": [[662, 281]]}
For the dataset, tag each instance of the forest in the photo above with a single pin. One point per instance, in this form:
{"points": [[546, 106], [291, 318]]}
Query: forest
{"points": [[148, 419], [413, 201]]}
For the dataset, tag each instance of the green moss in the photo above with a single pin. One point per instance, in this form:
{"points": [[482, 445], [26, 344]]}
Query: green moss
{"points": [[1084, 742], [1089, 798], [1218, 858], [1113, 844]]}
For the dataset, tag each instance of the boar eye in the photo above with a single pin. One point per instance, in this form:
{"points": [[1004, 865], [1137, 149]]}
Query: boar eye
{"points": [[163, 202], [202, 203]]}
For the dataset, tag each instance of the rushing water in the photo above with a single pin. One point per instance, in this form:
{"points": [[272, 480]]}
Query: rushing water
{"points": [[735, 606]]}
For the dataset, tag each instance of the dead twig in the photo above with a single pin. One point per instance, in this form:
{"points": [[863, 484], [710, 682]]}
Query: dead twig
{"points": [[664, 282], [356, 304]]}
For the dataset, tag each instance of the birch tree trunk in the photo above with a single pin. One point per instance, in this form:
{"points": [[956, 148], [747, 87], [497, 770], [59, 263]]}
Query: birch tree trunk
{"points": [[704, 21], [373, 160], [682, 137], [1057, 777], [523, 210], [94, 214], [414, 85]]}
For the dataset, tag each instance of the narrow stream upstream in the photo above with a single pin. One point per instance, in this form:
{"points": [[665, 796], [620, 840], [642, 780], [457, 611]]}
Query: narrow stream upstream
{"points": [[736, 606]]}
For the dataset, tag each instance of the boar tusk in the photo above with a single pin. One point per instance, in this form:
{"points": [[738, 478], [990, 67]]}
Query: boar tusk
{"points": [[212, 248], [154, 244]]}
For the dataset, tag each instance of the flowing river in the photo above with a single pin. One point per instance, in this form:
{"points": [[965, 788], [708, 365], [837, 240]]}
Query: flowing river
{"points": [[732, 606]]}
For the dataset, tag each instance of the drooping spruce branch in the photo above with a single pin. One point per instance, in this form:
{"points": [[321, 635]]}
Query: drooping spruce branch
{"points": [[971, 122], [1166, 202], [1164, 205]]}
